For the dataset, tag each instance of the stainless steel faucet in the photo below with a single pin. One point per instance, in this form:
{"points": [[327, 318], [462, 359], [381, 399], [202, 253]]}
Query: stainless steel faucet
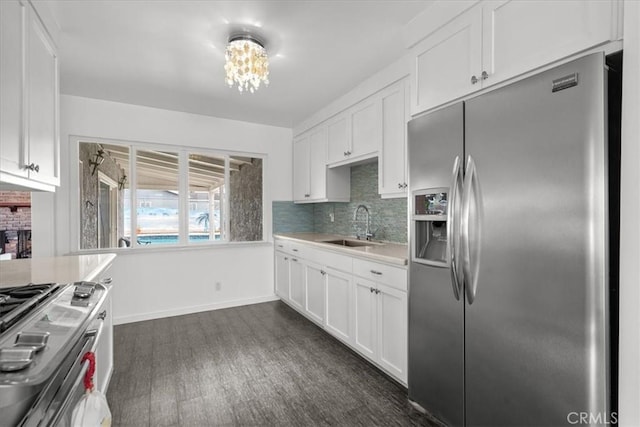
{"points": [[367, 233]]}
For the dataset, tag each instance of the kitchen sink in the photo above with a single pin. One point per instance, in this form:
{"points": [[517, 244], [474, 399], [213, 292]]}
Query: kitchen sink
{"points": [[350, 243]]}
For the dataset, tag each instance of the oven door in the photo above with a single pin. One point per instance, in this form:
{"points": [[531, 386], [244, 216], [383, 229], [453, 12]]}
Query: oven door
{"points": [[55, 405]]}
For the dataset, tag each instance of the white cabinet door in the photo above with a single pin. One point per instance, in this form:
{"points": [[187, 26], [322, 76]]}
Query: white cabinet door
{"points": [[301, 172], [339, 288], [519, 36], [338, 138], [315, 293], [366, 128], [12, 144], [365, 336], [446, 61], [297, 283], [42, 102], [392, 330], [318, 163], [282, 275], [392, 170]]}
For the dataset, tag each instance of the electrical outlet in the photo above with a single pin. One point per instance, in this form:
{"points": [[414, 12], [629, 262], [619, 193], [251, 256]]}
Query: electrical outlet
{"points": [[218, 286]]}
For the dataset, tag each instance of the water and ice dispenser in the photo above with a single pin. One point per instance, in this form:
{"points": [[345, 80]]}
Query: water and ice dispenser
{"points": [[430, 226]]}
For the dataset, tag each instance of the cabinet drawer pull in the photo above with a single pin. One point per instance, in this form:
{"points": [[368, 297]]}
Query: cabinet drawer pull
{"points": [[106, 280], [294, 250], [294, 259], [33, 167], [286, 258], [102, 315], [281, 246], [377, 273]]}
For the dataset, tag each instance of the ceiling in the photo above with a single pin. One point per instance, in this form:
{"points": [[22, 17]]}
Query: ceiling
{"points": [[170, 54]]}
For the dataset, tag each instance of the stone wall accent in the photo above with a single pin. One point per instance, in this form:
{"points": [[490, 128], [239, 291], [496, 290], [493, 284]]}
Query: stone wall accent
{"points": [[245, 202], [89, 196]]}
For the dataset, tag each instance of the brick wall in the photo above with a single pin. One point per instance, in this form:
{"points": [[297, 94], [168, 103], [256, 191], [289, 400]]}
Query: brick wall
{"points": [[19, 220]]}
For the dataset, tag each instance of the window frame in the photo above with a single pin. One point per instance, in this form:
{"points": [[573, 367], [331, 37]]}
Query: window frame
{"points": [[183, 190]]}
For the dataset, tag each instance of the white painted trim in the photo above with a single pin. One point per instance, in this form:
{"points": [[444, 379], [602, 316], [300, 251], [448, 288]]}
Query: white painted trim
{"points": [[193, 309], [629, 375]]}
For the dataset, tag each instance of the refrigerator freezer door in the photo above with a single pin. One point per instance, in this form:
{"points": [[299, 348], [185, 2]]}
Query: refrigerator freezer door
{"points": [[436, 348], [535, 337]]}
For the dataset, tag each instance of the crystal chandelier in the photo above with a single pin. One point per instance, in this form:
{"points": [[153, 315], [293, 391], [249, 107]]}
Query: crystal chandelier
{"points": [[246, 63]]}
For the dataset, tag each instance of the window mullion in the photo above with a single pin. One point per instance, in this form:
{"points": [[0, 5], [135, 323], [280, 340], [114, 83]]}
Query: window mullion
{"points": [[133, 193], [227, 218], [183, 193]]}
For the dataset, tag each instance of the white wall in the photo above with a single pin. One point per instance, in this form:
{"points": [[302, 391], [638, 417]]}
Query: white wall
{"points": [[167, 282], [629, 411]]}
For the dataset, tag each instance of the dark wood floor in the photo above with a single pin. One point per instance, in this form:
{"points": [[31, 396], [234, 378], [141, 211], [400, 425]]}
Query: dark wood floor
{"points": [[261, 364]]}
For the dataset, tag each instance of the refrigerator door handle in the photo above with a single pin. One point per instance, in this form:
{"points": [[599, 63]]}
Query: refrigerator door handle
{"points": [[453, 228], [471, 232]]}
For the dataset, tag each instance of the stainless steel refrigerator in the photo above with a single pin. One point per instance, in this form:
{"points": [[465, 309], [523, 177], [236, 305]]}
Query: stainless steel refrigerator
{"points": [[508, 318]]}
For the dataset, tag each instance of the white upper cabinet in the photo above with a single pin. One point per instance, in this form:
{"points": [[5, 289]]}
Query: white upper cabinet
{"points": [[339, 130], [519, 36], [312, 182], [497, 40], [301, 169], [444, 63], [365, 128], [29, 144], [392, 161], [354, 134]]}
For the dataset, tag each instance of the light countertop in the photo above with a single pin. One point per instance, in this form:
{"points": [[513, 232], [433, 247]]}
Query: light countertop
{"points": [[64, 269], [392, 253]]}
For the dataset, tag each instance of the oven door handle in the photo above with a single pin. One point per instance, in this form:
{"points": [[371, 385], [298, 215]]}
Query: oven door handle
{"points": [[93, 336]]}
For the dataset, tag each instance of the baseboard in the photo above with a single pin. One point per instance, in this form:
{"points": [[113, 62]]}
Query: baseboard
{"points": [[193, 309]]}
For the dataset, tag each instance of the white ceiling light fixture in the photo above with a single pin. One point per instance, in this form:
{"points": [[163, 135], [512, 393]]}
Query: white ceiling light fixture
{"points": [[247, 63]]}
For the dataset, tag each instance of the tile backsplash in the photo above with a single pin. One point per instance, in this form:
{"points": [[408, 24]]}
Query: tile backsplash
{"points": [[388, 217]]}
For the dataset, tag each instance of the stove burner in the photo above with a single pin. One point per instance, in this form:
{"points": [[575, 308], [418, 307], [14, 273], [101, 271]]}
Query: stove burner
{"points": [[16, 302]]}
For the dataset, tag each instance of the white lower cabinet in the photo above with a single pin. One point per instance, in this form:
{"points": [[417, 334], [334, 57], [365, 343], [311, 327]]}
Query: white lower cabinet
{"points": [[381, 325], [361, 302], [365, 310], [297, 283], [282, 275], [339, 288], [314, 292]]}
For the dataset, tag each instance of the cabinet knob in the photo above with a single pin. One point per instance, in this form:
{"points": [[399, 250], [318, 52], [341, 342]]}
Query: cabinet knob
{"points": [[294, 260], [484, 75], [371, 290], [348, 153], [399, 185], [377, 291], [306, 195], [33, 167], [474, 80], [102, 315], [344, 153], [323, 272], [286, 258], [405, 185]]}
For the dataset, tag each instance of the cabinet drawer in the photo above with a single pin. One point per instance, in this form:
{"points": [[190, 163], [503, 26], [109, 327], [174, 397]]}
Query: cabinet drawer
{"points": [[335, 261], [281, 245], [395, 277]]}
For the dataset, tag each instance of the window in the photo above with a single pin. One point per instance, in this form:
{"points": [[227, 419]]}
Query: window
{"points": [[181, 196]]}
